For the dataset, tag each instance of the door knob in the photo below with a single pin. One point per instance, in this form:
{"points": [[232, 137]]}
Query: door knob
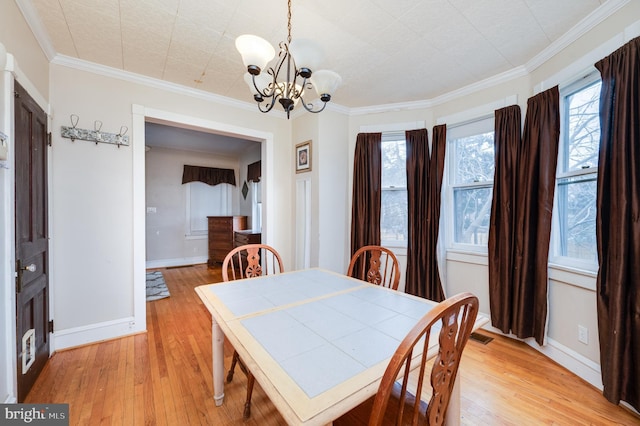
{"points": [[30, 268]]}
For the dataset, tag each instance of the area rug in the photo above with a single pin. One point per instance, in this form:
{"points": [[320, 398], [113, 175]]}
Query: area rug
{"points": [[156, 287]]}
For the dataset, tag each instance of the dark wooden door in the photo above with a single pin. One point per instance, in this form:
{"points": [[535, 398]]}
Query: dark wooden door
{"points": [[32, 261]]}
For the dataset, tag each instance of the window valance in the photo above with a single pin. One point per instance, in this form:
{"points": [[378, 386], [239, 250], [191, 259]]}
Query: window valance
{"points": [[254, 171], [209, 175]]}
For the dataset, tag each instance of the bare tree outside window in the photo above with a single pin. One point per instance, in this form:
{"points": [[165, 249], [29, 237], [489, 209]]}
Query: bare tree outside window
{"points": [[393, 214], [577, 174], [473, 170]]}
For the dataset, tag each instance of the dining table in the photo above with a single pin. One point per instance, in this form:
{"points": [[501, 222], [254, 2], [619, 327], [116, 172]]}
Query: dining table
{"points": [[318, 342]]}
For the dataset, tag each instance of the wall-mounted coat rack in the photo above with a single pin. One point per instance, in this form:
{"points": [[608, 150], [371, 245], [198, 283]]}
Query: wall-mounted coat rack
{"points": [[96, 135]]}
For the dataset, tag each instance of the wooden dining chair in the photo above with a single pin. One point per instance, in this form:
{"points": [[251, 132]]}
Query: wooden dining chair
{"points": [[248, 261], [396, 402], [377, 265]]}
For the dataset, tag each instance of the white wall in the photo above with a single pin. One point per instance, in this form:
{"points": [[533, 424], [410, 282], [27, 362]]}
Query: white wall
{"points": [[166, 242], [98, 216]]}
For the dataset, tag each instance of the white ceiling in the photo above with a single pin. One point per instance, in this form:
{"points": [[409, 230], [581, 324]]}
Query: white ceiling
{"points": [[168, 135], [387, 51]]}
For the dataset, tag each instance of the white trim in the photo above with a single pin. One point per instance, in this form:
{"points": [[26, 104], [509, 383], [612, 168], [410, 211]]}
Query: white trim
{"points": [[92, 333], [392, 127], [585, 65], [578, 364], [7, 245], [139, 225], [35, 24], [581, 28], [155, 83], [478, 113], [472, 258], [573, 276], [181, 261]]}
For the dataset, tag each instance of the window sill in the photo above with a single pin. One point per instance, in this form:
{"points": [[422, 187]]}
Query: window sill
{"points": [[463, 256], [196, 237], [573, 276]]}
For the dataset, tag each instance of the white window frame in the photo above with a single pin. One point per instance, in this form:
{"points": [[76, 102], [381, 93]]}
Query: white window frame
{"points": [[555, 258], [389, 137], [478, 125]]}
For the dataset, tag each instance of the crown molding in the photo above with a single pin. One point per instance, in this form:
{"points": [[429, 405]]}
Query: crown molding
{"points": [[577, 31], [581, 28], [33, 20], [156, 83]]}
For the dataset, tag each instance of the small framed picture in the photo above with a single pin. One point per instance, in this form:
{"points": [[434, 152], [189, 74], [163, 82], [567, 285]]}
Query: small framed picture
{"points": [[303, 157]]}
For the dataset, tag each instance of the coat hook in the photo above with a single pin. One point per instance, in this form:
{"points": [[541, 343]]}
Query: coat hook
{"points": [[73, 132], [97, 125], [120, 136]]}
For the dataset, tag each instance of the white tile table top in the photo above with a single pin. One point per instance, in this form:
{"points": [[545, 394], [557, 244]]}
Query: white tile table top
{"points": [[316, 336]]}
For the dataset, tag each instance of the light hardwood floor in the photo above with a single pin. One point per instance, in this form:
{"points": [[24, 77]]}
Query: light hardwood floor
{"points": [[163, 377]]}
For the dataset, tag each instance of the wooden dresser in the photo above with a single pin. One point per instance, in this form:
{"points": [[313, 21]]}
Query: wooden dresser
{"points": [[221, 236], [246, 237]]}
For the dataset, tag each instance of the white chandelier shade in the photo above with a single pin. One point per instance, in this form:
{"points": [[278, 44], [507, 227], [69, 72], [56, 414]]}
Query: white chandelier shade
{"points": [[255, 50]]}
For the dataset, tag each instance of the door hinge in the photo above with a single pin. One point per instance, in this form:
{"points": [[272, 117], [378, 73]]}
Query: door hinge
{"points": [[50, 326], [49, 139]]}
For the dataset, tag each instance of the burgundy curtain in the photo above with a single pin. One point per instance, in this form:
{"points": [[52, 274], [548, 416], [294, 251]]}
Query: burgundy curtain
{"points": [[424, 184], [536, 173], [254, 171], [618, 225], [209, 175], [367, 173], [501, 246], [520, 226]]}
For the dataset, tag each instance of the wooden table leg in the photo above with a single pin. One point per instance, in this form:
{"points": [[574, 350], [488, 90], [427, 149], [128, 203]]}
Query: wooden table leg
{"points": [[217, 340], [453, 412]]}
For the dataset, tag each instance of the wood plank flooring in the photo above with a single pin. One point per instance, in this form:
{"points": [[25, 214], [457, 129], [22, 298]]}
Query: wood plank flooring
{"points": [[163, 377]]}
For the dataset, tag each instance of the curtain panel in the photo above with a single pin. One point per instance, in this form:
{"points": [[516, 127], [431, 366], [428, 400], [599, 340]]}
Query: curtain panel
{"points": [[618, 225], [424, 185], [366, 199], [254, 171], [209, 175], [536, 180], [501, 245], [520, 227]]}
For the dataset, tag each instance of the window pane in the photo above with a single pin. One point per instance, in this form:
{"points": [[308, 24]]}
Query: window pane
{"points": [[393, 216], [475, 158], [472, 211], [577, 214], [394, 164], [582, 110]]}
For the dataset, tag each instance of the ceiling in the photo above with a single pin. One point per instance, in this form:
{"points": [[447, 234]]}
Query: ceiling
{"points": [[168, 135], [387, 51]]}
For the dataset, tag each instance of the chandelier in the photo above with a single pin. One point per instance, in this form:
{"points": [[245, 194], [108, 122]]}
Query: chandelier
{"points": [[293, 76]]}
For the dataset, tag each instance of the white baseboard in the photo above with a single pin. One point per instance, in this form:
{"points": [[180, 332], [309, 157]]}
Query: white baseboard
{"points": [[78, 336], [578, 364], [182, 261], [10, 399]]}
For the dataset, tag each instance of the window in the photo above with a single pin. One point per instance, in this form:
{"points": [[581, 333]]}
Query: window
{"points": [[393, 211], [472, 161], [205, 200], [577, 171]]}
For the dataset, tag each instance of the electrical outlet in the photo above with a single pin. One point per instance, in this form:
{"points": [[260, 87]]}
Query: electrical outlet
{"points": [[583, 334]]}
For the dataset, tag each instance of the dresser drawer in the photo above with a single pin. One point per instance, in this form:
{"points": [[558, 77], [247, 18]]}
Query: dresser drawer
{"points": [[246, 237]]}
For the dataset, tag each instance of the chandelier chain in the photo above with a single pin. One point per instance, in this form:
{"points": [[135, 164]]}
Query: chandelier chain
{"points": [[288, 21]]}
